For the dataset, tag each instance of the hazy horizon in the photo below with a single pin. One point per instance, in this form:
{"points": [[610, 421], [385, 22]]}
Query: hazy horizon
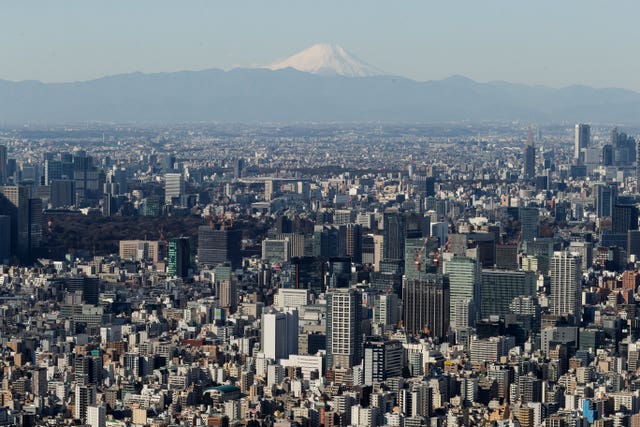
{"points": [[546, 43]]}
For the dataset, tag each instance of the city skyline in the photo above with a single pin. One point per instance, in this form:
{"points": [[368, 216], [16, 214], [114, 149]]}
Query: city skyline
{"points": [[316, 241]]}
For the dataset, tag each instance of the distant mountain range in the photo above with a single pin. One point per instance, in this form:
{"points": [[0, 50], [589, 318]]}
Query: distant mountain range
{"points": [[321, 84]]}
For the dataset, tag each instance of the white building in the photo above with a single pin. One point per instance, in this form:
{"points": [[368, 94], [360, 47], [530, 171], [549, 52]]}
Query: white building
{"points": [[96, 416], [279, 333], [566, 284], [173, 186]]}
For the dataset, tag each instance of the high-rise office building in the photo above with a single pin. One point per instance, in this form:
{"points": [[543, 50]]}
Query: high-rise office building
{"points": [[173, 187], [606, 196], [542, 250], [219, 246], [88, 286], [238, 168], [179, 257], [52, 171], [529, 157], [426, 305], [353, 244], [36, 221], [228, 295], [14, 202], [585, 250], [3, 165], [271, 188], [638, 160], [499, 288], [528, 224], [419, 256], [96, 416], [633, 243], [39, 381], [339, 272], [344, 216], [279, 333], [62, 193], [86, 178], [344, 336], [382, 359], [306, 272], [441, 231], [425, 185], [276, 251], [142, 250], [394, 235], [5, 238], [566, 285], [85, 396], [582, 139], [464, 285], [624, 218], [385, 310]]}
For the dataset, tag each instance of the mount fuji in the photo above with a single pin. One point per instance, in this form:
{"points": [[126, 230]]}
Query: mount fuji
{"points": [[323, 83], [327, 60]]}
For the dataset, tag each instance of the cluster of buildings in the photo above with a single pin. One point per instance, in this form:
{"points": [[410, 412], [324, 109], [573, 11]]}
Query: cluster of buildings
{"points": [[488, 282]]}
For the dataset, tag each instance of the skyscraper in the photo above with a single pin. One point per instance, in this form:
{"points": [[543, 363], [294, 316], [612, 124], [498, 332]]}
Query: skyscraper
{"points": [[85, 176], [528, 224], [3, 165], [344, 336], [394, 235], [52, 171], [173, 186], [62, 193], [279, 333], [529, 157], [606, 198], [219, 246], [624, 218], [566, 285], [238, 168], [5, 238], [581, 140], [353, 244], [14, 202], [179, 257], [499, 288], [638, 160], [426, 305], [464, 285], [419, 257], [382, 359]]}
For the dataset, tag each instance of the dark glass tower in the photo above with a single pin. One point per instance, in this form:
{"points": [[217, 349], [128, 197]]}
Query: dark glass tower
{"points": [[179, 257], [426, 305], [219, 246]]}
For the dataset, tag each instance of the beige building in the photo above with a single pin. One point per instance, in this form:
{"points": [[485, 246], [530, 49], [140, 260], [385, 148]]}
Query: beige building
{"points": [[139, 250]]}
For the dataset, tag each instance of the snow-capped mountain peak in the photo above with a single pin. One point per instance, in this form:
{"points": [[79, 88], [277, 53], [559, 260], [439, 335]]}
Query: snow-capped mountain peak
{"points": [[327, 59]]}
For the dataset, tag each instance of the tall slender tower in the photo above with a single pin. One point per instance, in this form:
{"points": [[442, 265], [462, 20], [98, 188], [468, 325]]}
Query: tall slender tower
{"points": [[394, 235], [344, 336], [3, 165], [566, 285], [529, 157], [582, 139]]}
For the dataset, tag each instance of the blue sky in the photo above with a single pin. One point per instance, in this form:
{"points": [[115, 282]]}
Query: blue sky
{"points": [[555, 43]]}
